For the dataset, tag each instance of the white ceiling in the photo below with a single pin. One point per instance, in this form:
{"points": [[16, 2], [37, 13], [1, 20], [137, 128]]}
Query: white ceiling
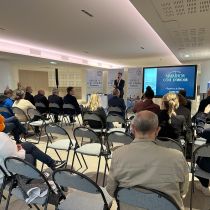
{"points": [[115, 34], [182, 24]]}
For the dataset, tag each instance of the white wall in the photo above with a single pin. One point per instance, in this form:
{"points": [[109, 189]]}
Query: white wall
{"points": [[205, 75], [7, 76]]}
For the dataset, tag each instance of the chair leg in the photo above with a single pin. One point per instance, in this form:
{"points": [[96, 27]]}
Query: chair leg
{"points": [[9, 194], [1, 191], [36, 207], [79, 160], [58, 155], [67, 157], [72, 165], [192, 191], [84, 161], [99, 162], [106, 163]]}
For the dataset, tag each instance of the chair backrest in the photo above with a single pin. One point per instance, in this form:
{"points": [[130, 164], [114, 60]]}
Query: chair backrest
{"points": [[56, 129], [5, 109], [68, 106], [18, 166], [69, 109], [119, 137], [169, 143], [19, 112], [54, 105], [145, 198], [32, 113], [85, 132], [202, 151], [76, 180], [21, 167], [115, 109], [40, 104], [88, 116], [111, 118]]}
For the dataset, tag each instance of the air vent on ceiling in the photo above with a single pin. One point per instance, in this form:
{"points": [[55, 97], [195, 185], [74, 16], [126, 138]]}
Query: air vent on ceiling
{"points": [[192, 37], [170, 9], [35, 52], [87, 13], [2, 29]]}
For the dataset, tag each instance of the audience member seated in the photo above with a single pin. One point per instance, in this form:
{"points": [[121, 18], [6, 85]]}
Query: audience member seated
{"points": [[55, 98], [116, 101], [6, 101], [183, 110], [13, 126], [26, 151], [172, 125], [28, 95], [144, 163], [203, 162], [94, 106], [71, 99], [23, 104], [204, 102], [40, 98], [188, 104], [147, 103]]}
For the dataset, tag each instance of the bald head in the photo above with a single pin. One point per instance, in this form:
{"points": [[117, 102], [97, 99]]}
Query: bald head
{"points": [[116, 92], [41, 92], [145, 124]]}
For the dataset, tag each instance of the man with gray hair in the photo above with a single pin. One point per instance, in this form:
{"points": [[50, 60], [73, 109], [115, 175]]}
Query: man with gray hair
{"points": [[147, 164], [55, 99]]}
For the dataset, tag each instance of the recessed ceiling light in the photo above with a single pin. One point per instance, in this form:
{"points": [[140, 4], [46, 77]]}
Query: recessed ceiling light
{"points": [[187, 56], [53, 62]]}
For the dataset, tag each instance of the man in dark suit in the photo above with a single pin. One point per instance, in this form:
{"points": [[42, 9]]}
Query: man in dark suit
{"points": [[119, 83], [55, 98], [40, 98], [116, 101], [71, 99], [28, 95]]}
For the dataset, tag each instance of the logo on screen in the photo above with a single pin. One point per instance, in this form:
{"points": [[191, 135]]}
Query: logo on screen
{"points": [[175, 76]]}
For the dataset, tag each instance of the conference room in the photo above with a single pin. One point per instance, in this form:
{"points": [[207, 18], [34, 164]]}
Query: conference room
{"points": [[104, 104]]}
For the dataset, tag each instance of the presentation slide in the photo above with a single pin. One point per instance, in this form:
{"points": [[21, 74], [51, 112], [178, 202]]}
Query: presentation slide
{"points": [[171, 79]]}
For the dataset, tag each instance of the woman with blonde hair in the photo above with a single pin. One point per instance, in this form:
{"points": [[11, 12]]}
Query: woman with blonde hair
{"points": [[172, 125], [94, 106]]}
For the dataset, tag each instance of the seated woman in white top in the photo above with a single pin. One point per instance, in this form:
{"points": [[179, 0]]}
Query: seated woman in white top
{"points": [[23, 104], [27, 151]]}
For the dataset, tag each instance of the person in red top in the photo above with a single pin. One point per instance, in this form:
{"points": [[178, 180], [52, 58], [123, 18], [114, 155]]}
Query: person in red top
{"points": [[146, 103]]}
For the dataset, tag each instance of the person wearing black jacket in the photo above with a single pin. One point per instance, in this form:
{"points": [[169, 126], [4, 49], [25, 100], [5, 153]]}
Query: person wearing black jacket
{"points": [[115, 101], [172, 125], [40, 98], [28, 95], [55, 98], [71, 99], [119, 83]]}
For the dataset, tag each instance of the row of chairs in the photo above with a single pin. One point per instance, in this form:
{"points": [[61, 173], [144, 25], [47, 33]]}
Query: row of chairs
{"points": [[86, 194]]}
